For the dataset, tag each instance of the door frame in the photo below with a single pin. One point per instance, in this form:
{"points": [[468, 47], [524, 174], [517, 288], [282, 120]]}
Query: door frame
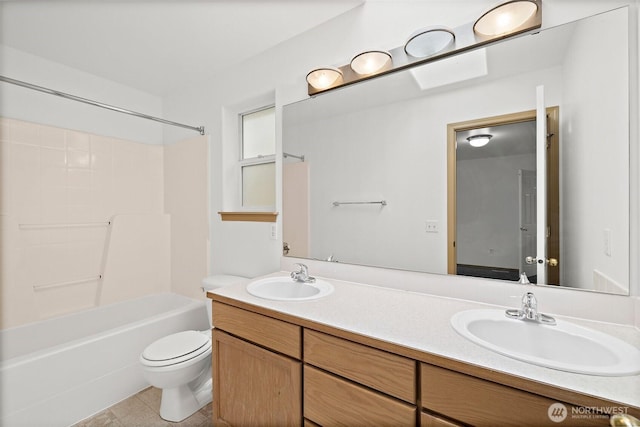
{"points": [[553, 181]]}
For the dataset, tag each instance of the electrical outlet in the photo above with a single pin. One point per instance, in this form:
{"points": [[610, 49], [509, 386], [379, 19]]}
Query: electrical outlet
{"points": [[431, 226]]}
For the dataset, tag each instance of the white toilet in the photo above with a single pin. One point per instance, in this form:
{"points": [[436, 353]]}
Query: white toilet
{"points": [[180, 364]]}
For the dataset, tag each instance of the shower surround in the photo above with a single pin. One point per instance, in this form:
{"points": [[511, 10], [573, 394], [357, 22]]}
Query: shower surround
{"points": [[82, 221]]}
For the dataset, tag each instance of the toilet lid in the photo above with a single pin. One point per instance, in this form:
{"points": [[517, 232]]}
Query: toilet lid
{"points": [[177, 348]]}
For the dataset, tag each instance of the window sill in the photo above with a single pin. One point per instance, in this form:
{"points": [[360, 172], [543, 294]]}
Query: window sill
{"points": [[249, 216]]}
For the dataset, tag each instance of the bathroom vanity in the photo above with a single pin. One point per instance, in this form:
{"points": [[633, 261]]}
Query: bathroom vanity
{"points": [[373, 356]]}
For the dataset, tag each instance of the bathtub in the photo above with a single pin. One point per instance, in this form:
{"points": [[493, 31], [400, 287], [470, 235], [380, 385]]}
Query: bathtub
{"points": [[59, 371]]}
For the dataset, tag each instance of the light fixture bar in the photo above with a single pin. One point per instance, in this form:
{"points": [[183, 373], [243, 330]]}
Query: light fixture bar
{"points": [[464, 39]]}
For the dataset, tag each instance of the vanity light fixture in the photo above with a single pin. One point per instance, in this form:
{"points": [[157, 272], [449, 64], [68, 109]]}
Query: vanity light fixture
{"points": [[324, 78], [479, 140], [371, 62], [429, 41], [431, 44], [505, 18]]}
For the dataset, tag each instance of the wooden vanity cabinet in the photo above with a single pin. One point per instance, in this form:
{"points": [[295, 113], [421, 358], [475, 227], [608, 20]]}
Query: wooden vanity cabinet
{"points": [[256, 369], [272, 369]]}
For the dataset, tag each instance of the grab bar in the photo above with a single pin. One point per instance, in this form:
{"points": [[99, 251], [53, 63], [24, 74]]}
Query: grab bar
{"points": [[63, 225], [381, 202], [71, 282], [301, 158]]}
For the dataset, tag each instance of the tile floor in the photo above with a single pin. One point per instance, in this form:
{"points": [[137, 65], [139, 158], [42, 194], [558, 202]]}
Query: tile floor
{"points": [[142, 410]]}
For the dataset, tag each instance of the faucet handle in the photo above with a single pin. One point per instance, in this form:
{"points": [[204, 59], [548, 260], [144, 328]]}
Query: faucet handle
{"points": [[529, 300], [302, 269], [302, 275]]}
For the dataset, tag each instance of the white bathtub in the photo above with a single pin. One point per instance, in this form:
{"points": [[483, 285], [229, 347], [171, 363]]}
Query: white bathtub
{"points": [[60, 371]]}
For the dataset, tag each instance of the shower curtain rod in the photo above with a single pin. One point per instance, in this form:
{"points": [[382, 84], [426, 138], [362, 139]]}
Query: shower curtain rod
{"points": [[199, 129]]}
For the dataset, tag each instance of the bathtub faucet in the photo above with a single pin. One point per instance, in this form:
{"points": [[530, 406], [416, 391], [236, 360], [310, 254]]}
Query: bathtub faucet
{"points": [[302, 275]]}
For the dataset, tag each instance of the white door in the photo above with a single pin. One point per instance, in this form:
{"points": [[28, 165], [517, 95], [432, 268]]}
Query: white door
{"points": [[541, 184]]}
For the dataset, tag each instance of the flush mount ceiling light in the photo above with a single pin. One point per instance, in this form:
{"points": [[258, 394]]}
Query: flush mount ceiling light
{"points": [[324, 78], [428, 41], [371, 62], [479, 140], [505, 18]]}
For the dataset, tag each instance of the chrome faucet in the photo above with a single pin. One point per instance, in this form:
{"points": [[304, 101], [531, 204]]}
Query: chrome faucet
{"points": [[524, 280], [302, 275], [529, 311]]}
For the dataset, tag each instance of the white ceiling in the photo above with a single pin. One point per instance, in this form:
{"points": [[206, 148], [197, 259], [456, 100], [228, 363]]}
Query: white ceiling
{"points": [[158, 46]]}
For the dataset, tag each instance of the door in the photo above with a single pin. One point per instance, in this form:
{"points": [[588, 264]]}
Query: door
{"points": [[549, 232]]}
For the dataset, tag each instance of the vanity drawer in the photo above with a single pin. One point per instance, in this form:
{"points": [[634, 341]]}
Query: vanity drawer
{"points": [[272, 333], [383, 371], [484, 403], [428, 420], [329, 400]]}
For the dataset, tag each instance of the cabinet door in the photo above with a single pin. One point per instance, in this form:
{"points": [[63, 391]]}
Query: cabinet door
{"points": [[332, 401], [253, 386]]}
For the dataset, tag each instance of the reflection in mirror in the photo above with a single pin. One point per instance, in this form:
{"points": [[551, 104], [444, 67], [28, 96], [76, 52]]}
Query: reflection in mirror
{"points": [[493, 198], [386, 140]]}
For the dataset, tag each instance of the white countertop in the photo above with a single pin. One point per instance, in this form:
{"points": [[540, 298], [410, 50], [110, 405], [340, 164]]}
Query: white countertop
{"points": [[422, 322]]}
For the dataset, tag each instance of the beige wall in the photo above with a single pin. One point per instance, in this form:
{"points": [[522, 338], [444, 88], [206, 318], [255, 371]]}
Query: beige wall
{"points": [[55, 182], [186, 200]]}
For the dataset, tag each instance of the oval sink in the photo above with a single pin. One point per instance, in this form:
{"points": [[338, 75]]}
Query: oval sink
{"points": [[286, 289], [564, 346]]}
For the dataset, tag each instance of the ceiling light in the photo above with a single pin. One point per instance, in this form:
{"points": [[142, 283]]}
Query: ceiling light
{"points": [[505, 18], [371, 62], [324, 78], [428, 41], [479, 140]]}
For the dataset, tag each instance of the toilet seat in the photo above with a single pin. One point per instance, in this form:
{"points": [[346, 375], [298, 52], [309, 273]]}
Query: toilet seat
{"points": [[176, 348]]}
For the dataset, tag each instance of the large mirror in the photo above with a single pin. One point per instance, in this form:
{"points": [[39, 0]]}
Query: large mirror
{"points": [[375, 183]]}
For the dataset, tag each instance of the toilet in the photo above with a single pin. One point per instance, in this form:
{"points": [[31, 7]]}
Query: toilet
{"points": [[180, 364]]}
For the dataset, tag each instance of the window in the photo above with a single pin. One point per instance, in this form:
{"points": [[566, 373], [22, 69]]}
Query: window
{"points": [[257, 158]]}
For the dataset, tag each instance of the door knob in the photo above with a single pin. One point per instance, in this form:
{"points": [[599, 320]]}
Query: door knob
{"points": [[553, 262]]}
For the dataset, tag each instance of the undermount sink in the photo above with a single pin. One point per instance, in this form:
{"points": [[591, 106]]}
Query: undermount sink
{"points": [[287, 289], [564, 346]]}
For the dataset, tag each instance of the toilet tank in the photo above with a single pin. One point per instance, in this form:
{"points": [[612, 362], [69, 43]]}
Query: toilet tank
{"points": [[211, 283]]}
